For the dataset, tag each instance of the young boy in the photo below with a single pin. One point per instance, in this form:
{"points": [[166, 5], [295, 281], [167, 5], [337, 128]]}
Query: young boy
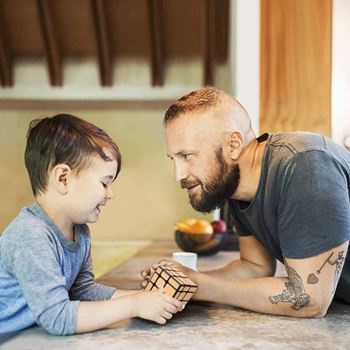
{"points": [[45, 267]]}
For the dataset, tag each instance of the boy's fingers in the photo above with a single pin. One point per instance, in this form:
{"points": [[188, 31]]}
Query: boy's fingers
{"points": [[161, 320], [181, 307], [177, 303], [167, 315], [171, 308]]}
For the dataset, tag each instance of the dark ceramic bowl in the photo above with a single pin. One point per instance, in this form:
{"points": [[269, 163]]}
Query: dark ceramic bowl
{"points": [[200, 243]]}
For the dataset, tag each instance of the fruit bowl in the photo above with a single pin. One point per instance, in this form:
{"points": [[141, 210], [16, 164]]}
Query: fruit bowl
{"points": [[202, 244], [200, 236]]}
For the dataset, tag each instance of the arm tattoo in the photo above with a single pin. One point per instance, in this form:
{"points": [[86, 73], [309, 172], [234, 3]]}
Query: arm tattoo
{"points": [[338, 262], [294, 292]]}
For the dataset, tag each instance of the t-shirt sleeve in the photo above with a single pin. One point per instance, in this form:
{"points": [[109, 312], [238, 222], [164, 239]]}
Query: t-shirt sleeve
{"points": [[31, 256], [86, 289], [314, 211]]}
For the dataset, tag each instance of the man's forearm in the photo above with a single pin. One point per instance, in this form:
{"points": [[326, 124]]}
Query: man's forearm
{"points": [[241, 269], [271, 295]]}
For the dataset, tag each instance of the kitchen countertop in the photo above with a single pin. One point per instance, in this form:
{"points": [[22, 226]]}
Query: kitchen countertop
{"points": [[200, 325]]}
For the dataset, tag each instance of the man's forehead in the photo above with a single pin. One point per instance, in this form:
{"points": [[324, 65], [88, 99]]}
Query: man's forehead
{"points": [[189, 133], [191, 124]]}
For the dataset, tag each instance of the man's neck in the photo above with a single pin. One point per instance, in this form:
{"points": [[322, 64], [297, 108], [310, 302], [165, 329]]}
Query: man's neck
{"points": [[250, 164]]}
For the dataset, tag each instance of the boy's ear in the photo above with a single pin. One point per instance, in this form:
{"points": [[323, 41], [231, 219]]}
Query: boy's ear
{"points": [[233, 144], [60, 175]]}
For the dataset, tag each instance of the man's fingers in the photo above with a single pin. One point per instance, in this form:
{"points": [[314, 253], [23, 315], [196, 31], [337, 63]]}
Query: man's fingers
{"points": [[165, 262], [144, 283]]}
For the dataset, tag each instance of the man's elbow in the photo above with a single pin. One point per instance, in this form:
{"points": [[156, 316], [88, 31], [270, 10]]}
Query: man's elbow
{"points": [[316, 309]]}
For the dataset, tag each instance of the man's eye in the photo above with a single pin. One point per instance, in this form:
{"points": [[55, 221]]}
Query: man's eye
{"points": [[104, 185], [186, 155]]}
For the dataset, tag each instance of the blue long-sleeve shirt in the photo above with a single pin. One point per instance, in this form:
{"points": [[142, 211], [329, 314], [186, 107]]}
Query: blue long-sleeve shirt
{"points": [[43, 275]]}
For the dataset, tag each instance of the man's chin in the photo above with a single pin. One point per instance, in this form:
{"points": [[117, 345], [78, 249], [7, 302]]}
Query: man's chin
{"points": [[206, 206], [202, 208]]}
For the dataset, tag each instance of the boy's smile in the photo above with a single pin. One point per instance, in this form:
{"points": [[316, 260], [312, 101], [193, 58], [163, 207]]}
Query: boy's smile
{"points": [[91, 189]]}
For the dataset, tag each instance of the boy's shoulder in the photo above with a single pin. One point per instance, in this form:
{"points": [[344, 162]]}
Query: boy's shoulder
{"points": [[33, 225], [24, 222]]}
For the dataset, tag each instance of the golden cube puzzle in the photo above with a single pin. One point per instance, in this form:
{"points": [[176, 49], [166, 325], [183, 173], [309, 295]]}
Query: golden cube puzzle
{"points": [[174, 282]]}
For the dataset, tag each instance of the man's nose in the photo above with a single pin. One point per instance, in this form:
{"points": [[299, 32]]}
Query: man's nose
{"points": [[181, 172]]}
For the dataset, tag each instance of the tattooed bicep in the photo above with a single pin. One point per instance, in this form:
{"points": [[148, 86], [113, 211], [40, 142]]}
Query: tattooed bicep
{"points": [[334, 262], [317, 276]]}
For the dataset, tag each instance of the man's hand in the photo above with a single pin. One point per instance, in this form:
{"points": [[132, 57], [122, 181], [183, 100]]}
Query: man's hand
{"points": [[146, 274], [148, 271]]}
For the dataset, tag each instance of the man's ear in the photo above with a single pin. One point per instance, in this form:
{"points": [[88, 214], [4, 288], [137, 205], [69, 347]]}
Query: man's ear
{"points": [[234, 144], [60, 174]]}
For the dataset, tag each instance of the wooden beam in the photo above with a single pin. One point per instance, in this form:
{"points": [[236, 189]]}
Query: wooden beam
{"points": [[156, 41], [296, 65], [51, 47], [209, 41], [6, 69], [222, 21], [104, 53]]}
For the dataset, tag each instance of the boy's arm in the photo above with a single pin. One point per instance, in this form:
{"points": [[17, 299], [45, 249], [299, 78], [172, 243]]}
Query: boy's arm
{"points": [[30, 255], [86, 289], [44, 289], [155, 306], [123, 292]]}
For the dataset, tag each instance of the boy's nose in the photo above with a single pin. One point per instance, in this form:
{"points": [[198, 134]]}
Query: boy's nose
{"points": [[110, 194]]}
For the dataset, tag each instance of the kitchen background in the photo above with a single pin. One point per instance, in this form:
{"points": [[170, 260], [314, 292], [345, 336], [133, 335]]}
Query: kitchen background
{"points": [[119, 64]]}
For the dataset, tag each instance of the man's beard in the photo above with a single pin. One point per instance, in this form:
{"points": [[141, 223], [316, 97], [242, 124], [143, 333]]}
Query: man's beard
{"points": [[218, 189]]}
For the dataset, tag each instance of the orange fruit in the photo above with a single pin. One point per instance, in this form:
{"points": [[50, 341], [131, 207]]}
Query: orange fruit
{"points": [[185, 225], [201, 226]]}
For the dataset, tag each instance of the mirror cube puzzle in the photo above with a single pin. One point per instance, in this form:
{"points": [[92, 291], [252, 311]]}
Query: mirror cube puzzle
{"points": [[175, 283]]}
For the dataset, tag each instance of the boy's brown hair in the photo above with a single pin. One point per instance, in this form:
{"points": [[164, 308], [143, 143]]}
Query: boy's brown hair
{"points": [[65, 139]]}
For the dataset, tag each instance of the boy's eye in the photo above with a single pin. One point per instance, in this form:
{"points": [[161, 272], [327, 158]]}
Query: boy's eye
{"points": [[186, 155], [104, 185]]}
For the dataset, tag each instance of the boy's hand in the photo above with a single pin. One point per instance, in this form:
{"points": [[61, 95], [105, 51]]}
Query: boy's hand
{"points": [[156, 306]]}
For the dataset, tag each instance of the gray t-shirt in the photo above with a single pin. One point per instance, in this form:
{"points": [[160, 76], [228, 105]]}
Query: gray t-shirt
{"points": [[43, 275], [301, 208]]}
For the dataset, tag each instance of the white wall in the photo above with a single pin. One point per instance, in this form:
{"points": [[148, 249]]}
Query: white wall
{"points": [[245, 56], [341, 70]]}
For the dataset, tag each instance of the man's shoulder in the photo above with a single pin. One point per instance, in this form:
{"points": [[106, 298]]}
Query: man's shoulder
{"points": [[297, 142]]}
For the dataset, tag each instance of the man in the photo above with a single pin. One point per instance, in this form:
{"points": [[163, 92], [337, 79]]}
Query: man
{"points": [[289, 195]]}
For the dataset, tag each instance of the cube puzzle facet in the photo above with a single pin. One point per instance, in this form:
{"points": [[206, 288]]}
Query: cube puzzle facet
{"points": [[175, 283]]}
